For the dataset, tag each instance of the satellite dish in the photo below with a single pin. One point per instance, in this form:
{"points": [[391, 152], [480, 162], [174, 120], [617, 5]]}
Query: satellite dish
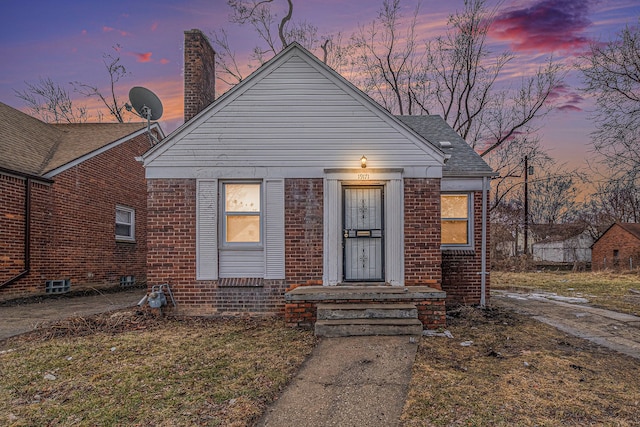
{"points": [[146, 103], [147, 106]]}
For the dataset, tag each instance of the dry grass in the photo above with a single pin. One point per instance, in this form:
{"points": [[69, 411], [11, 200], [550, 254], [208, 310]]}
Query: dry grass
{"points": [[144, 372], [519, 372], [614, 291]]}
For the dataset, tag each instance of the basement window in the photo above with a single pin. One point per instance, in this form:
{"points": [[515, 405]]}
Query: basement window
{"points": [[58, 286], [127, 281], [125, 224]]}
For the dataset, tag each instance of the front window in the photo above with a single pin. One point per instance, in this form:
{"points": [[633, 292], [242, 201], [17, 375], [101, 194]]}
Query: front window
{"points": [[242, 212], [455, 214], [125, 223]]}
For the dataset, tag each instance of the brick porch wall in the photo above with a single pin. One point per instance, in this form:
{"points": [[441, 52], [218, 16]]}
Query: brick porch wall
{"points": [[461, 278]]}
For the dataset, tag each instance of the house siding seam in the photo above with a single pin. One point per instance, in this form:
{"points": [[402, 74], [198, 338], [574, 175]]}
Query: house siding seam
{"points": [[72, 224], [461, 278], [616, 238], [422, 256]]}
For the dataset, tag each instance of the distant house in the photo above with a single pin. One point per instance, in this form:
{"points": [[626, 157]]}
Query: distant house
{"points": [[618, 248], [568, 245], [295, 189], [72, 205]]}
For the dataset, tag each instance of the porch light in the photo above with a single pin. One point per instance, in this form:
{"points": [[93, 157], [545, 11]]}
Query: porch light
{"points": [[363, 161]]}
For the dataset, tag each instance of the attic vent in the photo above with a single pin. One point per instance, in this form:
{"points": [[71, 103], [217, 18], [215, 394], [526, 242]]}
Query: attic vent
{"points": [[445, 144], [58, 286]]}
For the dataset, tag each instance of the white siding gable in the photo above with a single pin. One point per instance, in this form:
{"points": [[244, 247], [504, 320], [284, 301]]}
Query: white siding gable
{"points": [[295, 118]]}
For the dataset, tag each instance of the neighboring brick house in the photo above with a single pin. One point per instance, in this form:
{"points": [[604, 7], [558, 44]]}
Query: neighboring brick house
{"points": [[617, 249], [72, 205], [264, 196]]}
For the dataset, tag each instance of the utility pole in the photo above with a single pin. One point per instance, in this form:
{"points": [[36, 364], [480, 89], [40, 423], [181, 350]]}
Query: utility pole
{"points": [[528, 170]]}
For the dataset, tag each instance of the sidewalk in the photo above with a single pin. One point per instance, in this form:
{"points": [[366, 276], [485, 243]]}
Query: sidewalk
{"points": [[617, 331], [352, 381], [18, 319]]}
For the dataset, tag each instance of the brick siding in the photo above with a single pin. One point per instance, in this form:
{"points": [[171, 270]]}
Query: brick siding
{"points": [[461, 278], [73, 224], [422, 257], [616, 239], [304, 230]]}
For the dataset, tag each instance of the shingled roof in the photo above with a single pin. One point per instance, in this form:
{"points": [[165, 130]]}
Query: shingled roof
{"points": [[464, 160], [30, 146]]}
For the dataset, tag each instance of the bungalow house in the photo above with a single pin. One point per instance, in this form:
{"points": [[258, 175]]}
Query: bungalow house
{"points": [[72, 205], [618, 248], [295, 193]]}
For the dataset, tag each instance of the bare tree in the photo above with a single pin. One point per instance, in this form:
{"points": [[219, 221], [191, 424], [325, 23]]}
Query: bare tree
{"points": [[553, 196], [611, 73], [116, 71], [51, 103], [455, 76], [276, 29]]}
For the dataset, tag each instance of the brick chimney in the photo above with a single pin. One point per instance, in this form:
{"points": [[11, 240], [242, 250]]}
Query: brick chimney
{"points": [[199, 73]]}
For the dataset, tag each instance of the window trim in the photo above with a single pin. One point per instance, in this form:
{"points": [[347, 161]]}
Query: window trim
{"points": [[470, 220], [223, 217], [132, 230]]}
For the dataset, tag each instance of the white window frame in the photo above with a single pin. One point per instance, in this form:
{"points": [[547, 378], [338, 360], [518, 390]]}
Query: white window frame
{"points": [[131, 237], [470, 219], [223, 217]]}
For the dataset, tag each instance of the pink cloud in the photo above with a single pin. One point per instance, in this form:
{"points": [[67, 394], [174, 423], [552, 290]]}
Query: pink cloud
{"points": [[546, 26], [106, 29], [164, 61], [143, 57], [567, 96], [154, 26]]}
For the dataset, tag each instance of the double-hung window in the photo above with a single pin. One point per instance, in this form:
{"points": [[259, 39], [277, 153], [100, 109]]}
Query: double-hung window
{"points": [[242, 215], [455, 212], [125, 224]]}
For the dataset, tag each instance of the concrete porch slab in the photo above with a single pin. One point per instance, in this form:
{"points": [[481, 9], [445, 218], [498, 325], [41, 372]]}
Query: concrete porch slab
{"points": [[371, 293]]}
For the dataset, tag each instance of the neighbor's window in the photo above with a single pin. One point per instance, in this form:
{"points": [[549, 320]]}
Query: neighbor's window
{"points": [[125, 223], [241, 213], [455, 215]]}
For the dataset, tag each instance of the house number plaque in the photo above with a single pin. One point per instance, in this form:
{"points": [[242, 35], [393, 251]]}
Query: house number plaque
{"points": [[363, 176]]}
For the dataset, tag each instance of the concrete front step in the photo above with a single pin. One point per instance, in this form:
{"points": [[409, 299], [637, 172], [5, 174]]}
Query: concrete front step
{"points": [[358, 327], [366, 311]]}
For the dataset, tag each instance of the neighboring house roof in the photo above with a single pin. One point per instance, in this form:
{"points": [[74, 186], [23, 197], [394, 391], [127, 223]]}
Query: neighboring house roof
{"points": [[33, 147], [546, 233], [631, 228], [464, 160]]}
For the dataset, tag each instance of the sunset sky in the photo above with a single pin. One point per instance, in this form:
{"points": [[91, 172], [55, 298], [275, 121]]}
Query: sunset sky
{"points": [[65, 40]]}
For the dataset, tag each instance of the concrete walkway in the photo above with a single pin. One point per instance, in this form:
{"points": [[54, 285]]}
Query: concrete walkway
{"points": [[617, 331], [352, 381], [18, 319]]}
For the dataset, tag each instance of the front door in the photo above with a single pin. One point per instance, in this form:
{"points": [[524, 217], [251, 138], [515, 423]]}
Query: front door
{"points": [[363, 234]]}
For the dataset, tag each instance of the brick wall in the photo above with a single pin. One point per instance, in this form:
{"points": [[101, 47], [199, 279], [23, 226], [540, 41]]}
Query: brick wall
{"points": [[461, 278], [422, 257], [73, 224], [616, 239], [172, 259], [304, 230], [199, 73]]}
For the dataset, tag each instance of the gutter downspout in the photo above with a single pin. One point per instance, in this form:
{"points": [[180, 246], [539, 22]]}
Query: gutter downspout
{"points": [[483, 250], [27, 234]]}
